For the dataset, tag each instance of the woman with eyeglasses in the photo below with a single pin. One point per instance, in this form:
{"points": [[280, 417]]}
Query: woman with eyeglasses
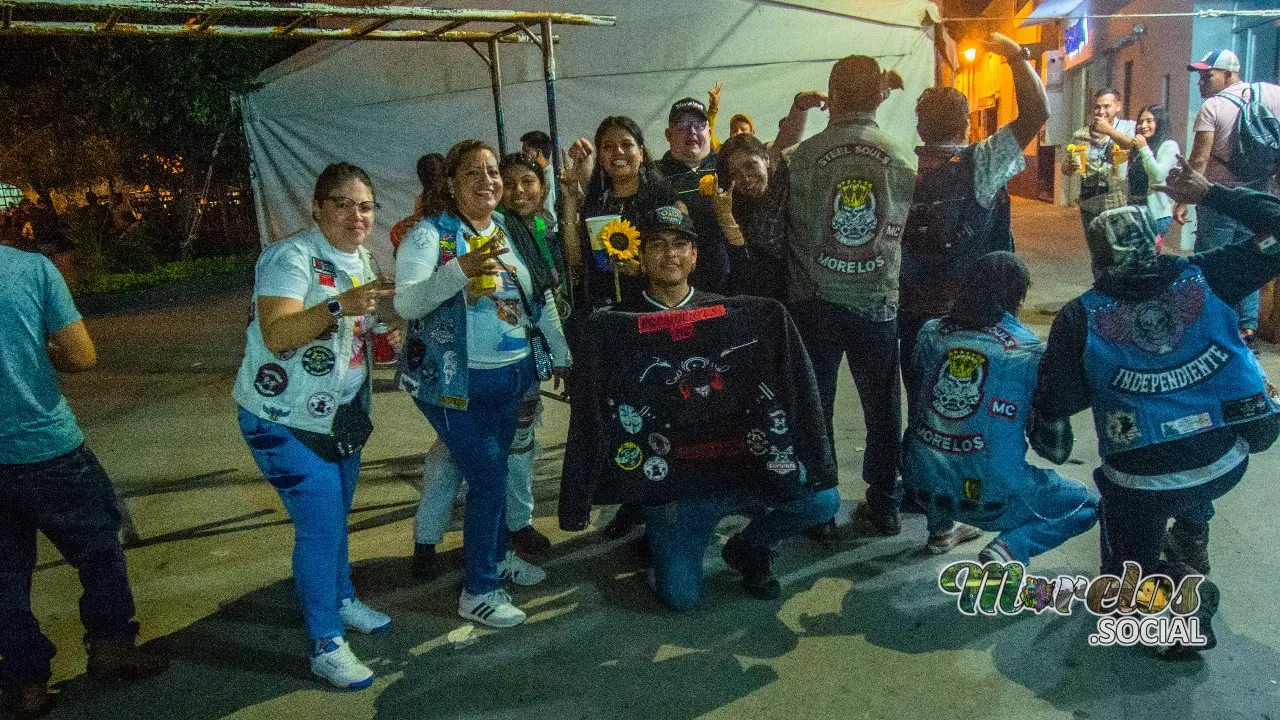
{"points": [[304, 399], [473, 308], [522, 209]]}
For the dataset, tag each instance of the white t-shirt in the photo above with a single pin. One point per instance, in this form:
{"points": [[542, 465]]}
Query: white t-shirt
{"points": [[289, 275], [496, 335], [1218, 115]]}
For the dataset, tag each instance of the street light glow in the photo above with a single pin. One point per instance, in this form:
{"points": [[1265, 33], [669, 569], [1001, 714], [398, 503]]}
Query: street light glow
{"points": [[970, 54]]}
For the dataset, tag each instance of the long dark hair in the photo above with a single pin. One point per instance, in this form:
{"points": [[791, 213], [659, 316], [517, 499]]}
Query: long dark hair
{"points": [[600, 179], [997, 284], [457, 154], [1161, 115], [1139, 181], [431, 175]]}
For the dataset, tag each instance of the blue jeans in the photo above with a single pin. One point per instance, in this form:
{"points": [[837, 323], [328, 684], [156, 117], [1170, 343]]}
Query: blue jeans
{"points": [[1049, 512], [317, 494], [1134, 521], [679, 533], [479, 438], [69, 498], [831, 332], [1213, 229]]}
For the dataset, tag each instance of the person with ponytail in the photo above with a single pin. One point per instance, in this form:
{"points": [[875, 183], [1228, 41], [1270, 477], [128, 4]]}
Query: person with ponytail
{"points": [[965, 461], [851, 188]]}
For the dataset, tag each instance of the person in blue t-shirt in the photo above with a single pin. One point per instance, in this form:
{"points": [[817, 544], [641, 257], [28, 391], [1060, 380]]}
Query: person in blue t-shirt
{"points": [[51, 482]]}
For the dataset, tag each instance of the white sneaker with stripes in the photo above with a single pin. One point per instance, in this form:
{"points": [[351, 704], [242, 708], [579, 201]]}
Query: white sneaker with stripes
{"points": [[493, 609], [520, 571]]}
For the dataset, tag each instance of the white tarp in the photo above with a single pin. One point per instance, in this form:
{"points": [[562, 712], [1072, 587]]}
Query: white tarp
{"points": [[382, 105]]}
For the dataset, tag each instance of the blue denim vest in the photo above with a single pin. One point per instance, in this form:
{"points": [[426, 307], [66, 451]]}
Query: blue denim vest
{"points": [[1169, 367], [968, 436], [433, 366]]}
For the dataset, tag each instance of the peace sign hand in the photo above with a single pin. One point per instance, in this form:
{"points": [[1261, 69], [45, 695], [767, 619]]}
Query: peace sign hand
{"points": [[482, 261]]}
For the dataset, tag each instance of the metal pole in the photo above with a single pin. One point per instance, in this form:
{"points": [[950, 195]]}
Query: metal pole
{"points": [[495, 79], [548, 47]]}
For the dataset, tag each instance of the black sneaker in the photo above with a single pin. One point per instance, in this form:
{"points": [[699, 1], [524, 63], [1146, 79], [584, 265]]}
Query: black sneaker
{"points": [[885, 523], [825, 533], [528, 541], [27, 701], [426, 564], [1210, 597], [757, 572], [1188, 546]]}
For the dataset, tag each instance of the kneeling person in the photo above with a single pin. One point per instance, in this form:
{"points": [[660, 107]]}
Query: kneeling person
{"points": [[966, 446], [679, 530]]}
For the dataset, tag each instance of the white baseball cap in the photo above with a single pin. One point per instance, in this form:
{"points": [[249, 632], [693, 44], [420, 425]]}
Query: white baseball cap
{"points": [[1217, 60]]}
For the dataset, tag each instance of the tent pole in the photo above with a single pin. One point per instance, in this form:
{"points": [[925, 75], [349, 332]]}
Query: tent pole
{"points": [[548, 47], [495, 79]]}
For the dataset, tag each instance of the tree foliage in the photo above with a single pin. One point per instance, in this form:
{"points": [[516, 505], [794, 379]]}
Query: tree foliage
{"points": [[75, 111]]}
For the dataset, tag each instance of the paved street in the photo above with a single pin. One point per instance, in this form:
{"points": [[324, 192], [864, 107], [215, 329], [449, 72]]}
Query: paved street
{"points": [[861, 631]]}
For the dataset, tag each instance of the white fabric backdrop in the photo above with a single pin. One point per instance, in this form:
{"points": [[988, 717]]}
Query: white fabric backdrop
{"points": [[382, 105]]}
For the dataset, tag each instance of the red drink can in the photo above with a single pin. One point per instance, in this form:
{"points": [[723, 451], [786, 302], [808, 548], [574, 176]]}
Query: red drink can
{"points": [[383, 352]]}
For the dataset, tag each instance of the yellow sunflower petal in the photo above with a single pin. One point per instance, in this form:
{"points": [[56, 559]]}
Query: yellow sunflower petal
{"points": [[629, 234]]}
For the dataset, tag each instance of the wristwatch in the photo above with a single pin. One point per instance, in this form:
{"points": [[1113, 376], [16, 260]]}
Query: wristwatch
{"points": [[1025, 52], [335, 307]]}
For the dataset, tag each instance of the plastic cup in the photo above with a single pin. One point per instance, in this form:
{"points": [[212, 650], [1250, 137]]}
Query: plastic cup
{"points": [[485, 283], [595, 225]]}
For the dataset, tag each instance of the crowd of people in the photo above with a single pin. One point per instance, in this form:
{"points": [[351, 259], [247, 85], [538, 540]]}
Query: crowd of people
{"points": [[698, 309]]}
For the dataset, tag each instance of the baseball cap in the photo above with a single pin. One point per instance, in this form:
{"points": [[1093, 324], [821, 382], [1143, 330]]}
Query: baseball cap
{"points": [[1217, 60], [667, 217], [687, 105]]}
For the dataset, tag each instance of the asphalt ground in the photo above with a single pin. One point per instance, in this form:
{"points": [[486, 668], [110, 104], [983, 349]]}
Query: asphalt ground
{"points": [[861, 630]]}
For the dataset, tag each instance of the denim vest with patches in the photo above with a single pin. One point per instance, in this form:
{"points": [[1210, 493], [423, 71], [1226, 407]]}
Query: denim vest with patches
{"points": [[1169, 367], [434, 364], [968, 436]]}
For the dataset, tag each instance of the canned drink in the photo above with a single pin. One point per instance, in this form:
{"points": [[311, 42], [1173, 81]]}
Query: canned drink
{"points": [[383, 352]]}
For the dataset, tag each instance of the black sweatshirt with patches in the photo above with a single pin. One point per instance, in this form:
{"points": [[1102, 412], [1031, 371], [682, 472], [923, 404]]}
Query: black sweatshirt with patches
{"points": [[665, 409], [1232, 272]]}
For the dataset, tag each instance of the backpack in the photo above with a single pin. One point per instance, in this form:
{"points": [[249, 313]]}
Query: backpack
{"points": [[1255, 149]]}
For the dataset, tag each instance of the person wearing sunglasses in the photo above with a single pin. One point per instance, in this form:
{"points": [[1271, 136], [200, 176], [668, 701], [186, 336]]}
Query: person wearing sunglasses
{"points": [[473, 310], [305, 397]]}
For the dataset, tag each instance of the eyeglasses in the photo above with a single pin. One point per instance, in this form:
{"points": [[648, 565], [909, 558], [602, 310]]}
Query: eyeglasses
{"points": [[698, 125], [345, 204]]}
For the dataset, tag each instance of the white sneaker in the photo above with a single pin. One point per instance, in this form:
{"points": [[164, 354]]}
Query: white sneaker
{"points": [[520, 571], [493, 609], [335, 662], [362, 618]]}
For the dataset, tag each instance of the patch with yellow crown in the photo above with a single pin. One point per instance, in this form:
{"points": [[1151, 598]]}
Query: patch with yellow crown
{"points": [[957, 393], [853, 212]]}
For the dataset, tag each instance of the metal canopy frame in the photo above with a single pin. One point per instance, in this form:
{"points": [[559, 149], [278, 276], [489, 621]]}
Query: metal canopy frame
{"points": [[230, 19]]}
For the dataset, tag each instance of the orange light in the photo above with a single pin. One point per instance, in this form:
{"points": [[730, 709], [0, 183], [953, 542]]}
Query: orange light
{"points": [[970, 54]]}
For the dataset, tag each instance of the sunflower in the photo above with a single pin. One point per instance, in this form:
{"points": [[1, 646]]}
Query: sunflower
{"points": [[621, 240], [709, 184]]}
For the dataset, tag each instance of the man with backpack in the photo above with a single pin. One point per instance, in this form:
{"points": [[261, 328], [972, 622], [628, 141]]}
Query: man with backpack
{"points": [[1237, 144]]}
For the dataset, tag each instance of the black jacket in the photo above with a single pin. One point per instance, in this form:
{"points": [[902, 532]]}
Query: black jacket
{"points": [[1232, 272], [665, 409], [712, 272]]}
